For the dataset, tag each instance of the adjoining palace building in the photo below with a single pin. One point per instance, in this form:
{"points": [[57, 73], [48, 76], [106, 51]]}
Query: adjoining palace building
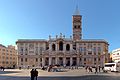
{"points": [[115, 55], [73, 51], [8, 56]]}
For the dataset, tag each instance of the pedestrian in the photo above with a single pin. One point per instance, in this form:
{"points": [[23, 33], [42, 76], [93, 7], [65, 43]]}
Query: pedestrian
{"points": [[86, 68], [99, 68], [96, 69], [90, 69], [36, 73], [103, 68], [3, 68], [32, 74]]}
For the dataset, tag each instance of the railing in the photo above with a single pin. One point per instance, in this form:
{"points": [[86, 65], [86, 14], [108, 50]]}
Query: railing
{"points": [[58, 51], [32, 40]]}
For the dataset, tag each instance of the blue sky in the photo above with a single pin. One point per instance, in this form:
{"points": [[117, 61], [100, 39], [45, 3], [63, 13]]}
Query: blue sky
{"points": [[37, 19]]}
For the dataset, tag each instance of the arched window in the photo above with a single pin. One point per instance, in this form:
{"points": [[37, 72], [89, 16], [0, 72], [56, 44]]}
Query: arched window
{"points": [[67, 47], [60, 45], [75, 27], [53, 47]]}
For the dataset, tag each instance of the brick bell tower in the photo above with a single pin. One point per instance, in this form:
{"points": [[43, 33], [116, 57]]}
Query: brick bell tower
{"points": [[76, 25]]}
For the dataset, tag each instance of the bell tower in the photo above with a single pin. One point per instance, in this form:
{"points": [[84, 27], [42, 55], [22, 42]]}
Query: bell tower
{"points": [[76, 25]]}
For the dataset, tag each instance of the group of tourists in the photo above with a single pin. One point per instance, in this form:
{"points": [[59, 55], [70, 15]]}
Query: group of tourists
{"points": [[53, 68], [34, 74], [90, 69]]}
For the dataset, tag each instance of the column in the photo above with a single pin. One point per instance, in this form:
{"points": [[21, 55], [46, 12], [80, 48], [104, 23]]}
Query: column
{"points": [[93, 61], [82, 60], [24, 49], [78, 61], [28, 49], [56, 60], [71, 47], [64, 47], [38, 49], [50, 47], [34, 49], [71, 61], [64, 61], [56, 47], [97, 61], [43, 61], [38, 62], [103, 59], [50, 60]]}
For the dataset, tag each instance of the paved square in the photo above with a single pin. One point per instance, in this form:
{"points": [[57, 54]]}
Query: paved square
{"points": [[78, 74]]}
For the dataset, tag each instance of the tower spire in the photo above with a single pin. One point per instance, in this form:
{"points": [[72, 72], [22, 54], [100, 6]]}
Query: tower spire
{"points": [[77, 12]]}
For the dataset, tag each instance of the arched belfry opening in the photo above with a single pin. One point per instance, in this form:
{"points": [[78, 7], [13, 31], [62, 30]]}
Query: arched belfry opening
{"points": [[53, 47], [60, 45], [67, 47]]}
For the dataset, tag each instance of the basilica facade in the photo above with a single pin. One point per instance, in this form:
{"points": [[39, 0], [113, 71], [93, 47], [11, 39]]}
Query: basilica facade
{"points": [[72, 51]]}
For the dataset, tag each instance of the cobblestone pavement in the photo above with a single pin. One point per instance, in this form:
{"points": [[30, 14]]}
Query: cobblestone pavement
{"points": [[79, 74]]}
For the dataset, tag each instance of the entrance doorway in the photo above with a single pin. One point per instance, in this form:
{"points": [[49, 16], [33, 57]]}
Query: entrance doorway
{"points": [[74, 61], [67, 61], [53, 61], [60, 61], [46, 61]]}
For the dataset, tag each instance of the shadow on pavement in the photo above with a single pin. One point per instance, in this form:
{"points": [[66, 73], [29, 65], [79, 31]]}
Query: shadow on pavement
{"points": [[8, 72], [86, 77]]}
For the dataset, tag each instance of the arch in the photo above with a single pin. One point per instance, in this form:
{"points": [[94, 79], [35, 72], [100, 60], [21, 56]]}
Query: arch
{"points": [[60, 45], [67, 47], [75, 27], [79, 27], [53, 47]]}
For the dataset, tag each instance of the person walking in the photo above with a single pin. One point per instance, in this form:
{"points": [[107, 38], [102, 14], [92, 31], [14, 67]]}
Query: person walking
{"points": [[3, 69], [36, 73], [86, 67], [99, 68], [96, 69], [32, 74]]}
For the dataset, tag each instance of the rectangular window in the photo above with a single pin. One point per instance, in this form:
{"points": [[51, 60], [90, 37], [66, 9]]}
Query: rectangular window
{"points": [[80, 49], [94, 59], [99, 49], [25, 59], [84, 63], [40, 59], [80, 59], [40, 50], [99, 59], [90, 45], [84, 49], [10, 57], [36, 59], [6, 62], [21, 59], [84, 53], [3, 49], [21, 49], [98, 53], [84, 59], [94, 53], [90, 53], [94, 49], [6, 57]]}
